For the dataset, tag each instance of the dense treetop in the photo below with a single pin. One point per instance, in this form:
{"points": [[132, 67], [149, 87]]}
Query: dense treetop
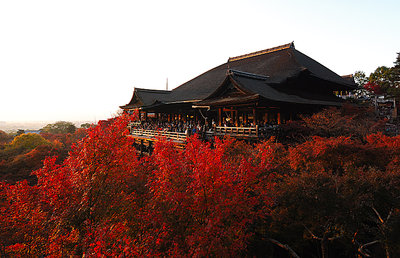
{"points": [[59, 127], [322, 197]]}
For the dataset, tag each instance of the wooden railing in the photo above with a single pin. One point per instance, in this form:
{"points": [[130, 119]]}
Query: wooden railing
{"points": [[236, 131], [153, 134], [239, 132]]}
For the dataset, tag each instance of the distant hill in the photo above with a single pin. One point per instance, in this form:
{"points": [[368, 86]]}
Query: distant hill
{"points": [[10, 126]]}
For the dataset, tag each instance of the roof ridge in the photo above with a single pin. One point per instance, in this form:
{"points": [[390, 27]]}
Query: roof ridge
{"points": [[247, 74], [152, 90], [261, 52]]}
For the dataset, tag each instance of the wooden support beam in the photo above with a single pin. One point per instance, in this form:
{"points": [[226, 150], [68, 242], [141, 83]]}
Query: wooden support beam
{"points": [[219, 116], [236, 118]]}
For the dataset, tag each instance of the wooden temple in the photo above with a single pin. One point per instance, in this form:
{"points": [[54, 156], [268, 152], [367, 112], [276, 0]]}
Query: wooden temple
{"points": [[257, 90]]}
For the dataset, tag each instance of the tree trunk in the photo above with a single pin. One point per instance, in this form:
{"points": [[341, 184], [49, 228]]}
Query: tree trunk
{"points": [[324, 250], [387, 250], [286, 247]]}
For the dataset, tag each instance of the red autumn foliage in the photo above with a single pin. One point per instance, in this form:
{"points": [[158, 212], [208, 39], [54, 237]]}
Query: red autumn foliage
{"points": [[229, 199], [373, 87]]}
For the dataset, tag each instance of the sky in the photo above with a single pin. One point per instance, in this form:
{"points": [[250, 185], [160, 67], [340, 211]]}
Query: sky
{"points": [[81, 59]]}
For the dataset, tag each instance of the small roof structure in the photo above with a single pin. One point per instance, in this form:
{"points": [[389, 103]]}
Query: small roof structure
{"points": [[146, 97], [284, 66]]}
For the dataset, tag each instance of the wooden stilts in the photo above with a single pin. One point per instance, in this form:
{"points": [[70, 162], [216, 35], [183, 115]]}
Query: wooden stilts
{"points": [[236, 118], [220, 116]]}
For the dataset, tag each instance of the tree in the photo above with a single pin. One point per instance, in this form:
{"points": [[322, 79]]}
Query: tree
{"points": [[360, 79], [86, 125], [328, 196], [385, 80], [395, 78], [27, 141], [59, 127], [379, 80], [4, 137]]}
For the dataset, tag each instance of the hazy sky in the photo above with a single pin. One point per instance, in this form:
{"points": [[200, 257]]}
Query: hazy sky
{"points": [[80, 60]]}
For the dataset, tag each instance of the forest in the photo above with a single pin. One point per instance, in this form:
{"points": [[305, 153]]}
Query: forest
{"points": [[327, 187]]}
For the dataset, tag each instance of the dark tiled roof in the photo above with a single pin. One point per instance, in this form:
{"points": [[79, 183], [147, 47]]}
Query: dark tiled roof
{"points": [[279, 64], [268, 92], [146, 97]]}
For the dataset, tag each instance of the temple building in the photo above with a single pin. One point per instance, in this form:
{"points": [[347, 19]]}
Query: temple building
{"points": [[267, 87]]}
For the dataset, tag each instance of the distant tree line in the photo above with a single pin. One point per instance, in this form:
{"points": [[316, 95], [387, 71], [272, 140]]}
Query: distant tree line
{"points": [[22, 153]]}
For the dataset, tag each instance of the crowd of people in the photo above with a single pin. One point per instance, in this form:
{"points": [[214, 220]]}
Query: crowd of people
{"points": [[188, 127], [191, 127]]}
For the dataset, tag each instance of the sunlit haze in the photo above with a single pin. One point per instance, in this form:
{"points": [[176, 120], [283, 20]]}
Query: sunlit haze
{"points": [[80, 60]]}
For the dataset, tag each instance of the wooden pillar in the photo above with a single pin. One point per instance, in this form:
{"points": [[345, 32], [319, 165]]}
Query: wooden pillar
{"points": [[254, 116], [140, 115], [279, 118], [236, 118], [232, 115], [141, 148], [145, 116], [220, 116], [150, 147]]}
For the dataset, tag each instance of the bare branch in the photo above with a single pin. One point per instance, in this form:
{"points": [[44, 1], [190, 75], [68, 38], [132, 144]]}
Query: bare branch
{"points": [[389, 215], [286, 247], [311, 233], [377, 214], [361, 248]]}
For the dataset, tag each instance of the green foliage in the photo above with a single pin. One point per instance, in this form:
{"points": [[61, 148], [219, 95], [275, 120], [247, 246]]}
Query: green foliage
{"points": [[60, 127], [360, 79], [27, 151], [381, 76], [86, 125], [387, 79], [28, 141]]}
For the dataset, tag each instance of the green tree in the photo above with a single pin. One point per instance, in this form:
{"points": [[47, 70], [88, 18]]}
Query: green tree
{"points": [[381, 76], [59, 127], [86, 125], [388, 79], [28, 141], [360, 79], [394, 89]]}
